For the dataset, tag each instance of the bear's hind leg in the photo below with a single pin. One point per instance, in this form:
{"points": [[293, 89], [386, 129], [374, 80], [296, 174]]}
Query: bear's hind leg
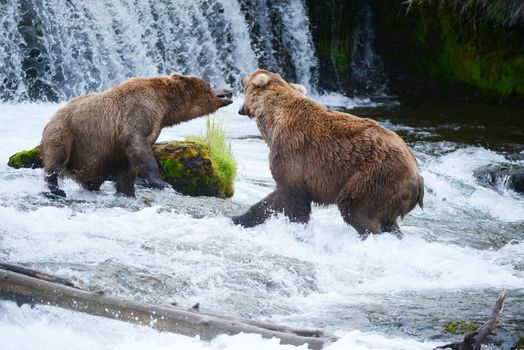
{"points": [[125, 182], [51, 179], [296, 205], [365, 226], [393, 229], [355, 215], [55, 154]]}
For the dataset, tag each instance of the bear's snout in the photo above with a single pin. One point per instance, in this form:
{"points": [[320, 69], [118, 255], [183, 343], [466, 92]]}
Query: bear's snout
{"points": [[225, 96], [243, 111]]}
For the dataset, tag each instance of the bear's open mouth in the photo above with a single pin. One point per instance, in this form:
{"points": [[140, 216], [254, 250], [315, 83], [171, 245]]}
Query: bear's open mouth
{"points": [[225, 96]]}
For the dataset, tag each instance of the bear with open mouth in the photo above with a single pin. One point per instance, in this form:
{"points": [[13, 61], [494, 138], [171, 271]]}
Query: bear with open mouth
{"points": [[109, 135]]}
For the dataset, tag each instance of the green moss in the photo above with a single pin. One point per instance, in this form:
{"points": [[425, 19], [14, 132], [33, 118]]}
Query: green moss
{"points": [[223, 162], [488, 59], [340, 52], [462, 327], [26, 159], [520, 343], [420, 31], [340, 55], [324, 47], [332, 36], [187, 166], [436, 48], [337, 51], [465, 60]]}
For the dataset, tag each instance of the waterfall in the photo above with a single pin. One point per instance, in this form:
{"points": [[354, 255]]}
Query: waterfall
{"points": [[281, 37], [56, 49], [367, 74]]}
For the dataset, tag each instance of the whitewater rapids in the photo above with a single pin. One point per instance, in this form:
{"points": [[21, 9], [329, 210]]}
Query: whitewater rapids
{"points": [[382, 293]]}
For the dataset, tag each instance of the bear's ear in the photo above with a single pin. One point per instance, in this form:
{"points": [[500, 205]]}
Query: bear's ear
{"points": [[175, 74], [243, 82], [261, 80], [300, 88]]}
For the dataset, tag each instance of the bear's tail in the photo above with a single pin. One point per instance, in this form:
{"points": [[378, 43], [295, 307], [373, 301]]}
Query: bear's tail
{"points": [[420, 198]]}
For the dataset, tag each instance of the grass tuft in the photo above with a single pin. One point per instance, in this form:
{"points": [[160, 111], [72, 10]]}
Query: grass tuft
{"points": [[224, 164]]}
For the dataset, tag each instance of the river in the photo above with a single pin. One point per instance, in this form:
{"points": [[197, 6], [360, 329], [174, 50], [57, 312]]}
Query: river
{"points": [[382, 293]]}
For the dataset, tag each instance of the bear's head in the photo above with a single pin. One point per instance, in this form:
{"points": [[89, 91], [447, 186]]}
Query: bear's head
{"points": [[196, 98], [263, 88]]}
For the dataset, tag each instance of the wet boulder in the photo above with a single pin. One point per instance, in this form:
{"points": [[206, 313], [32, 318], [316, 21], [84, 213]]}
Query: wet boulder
{"points": [[186, 165], [501, 176]]}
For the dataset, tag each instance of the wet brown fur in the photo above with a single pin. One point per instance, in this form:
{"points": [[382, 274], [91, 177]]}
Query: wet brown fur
{"points": [[328, 157], [108, 135]]}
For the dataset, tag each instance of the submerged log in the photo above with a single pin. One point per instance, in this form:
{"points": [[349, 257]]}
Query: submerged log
{"points": [[70, 282], [26, 286], [474, 340]]}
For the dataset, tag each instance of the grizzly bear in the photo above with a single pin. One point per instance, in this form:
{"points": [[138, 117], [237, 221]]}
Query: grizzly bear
{"points": [[328, 157], [108, 135]]}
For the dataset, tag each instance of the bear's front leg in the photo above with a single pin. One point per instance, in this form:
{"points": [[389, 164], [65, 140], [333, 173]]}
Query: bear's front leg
{"points": [[143, 162], [296, 205], [257, 214]]}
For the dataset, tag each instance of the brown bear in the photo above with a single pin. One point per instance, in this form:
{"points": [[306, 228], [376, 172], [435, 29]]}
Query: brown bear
{"points": [[108, 135], [328, 157]]}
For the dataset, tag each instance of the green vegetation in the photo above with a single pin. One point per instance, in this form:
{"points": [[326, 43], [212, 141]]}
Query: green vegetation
{"points": [[466, 57], [476, 54], [465, 50], [224, 164], [340, 54], [520, 343], [337, 51], [26, 159], [331, 29], [462, 327]]}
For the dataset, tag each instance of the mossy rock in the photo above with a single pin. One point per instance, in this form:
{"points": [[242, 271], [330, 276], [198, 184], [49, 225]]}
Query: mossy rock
{"points": [[26, 159], [462, 327], [520, 343], [186, 165]]}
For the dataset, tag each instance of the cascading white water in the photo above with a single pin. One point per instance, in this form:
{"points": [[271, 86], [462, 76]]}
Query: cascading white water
{"points": [[289, 48], [298, 41], [367, 68], [55, 49]]}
